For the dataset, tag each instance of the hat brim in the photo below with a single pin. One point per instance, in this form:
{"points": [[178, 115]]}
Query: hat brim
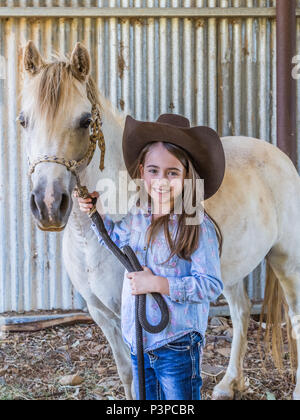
{"points": [[202, 144]]}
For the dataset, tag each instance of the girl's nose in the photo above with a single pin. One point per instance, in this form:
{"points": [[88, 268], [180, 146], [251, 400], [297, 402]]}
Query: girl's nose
{"points": [[162, 183]]}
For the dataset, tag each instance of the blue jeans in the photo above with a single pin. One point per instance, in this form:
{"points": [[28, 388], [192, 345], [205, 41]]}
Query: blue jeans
{"points": [[173, 371]]}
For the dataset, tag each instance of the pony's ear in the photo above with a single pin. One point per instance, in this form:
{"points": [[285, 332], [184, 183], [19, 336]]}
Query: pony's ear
{"points": [[80, 62], [32, 58]]}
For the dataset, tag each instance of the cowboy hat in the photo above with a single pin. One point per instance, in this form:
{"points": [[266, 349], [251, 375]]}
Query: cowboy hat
{"points": [[202, 144]]}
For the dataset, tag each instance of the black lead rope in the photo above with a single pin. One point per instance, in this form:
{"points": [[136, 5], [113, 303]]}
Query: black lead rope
{"points": [[132, 264]]}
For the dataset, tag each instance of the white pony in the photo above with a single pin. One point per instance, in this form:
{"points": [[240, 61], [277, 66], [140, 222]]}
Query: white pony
{"points": [[257, 206]]}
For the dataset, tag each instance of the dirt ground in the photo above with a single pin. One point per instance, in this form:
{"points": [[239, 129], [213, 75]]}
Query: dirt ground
{"points": [[32, 364]]}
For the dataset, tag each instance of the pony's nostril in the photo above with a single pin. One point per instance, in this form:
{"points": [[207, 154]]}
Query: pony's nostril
{"points": [[34, 207], [33, 203], [64, 204]]}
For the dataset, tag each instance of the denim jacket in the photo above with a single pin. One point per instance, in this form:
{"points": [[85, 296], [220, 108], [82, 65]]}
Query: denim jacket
{"points": [[193, 284]]}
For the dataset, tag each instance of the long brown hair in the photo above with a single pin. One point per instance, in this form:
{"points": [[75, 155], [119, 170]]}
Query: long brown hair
{"points": [[187, 236]]}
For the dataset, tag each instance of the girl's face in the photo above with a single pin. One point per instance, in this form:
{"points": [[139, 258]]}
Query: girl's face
{"points": [[163, 174]]}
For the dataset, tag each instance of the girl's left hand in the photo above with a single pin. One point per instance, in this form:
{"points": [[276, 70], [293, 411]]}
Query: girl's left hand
{"points": [[142, 282]]}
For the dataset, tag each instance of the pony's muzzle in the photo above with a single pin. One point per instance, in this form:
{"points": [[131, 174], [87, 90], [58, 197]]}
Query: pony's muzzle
{"points": [[50, 209]]}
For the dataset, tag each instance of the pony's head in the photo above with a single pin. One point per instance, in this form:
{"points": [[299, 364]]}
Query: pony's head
{"points": [[56, 113]]}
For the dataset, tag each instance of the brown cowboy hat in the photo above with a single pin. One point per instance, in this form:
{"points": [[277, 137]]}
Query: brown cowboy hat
{"points": [[202, 144]]}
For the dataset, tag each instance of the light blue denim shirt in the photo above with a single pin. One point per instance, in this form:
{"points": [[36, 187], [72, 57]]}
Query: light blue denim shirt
{"points": [[193, 284]]}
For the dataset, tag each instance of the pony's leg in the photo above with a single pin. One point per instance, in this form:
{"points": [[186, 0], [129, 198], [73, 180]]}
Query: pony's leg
{"points": [[240, 307], [287, 270], [112, 330]]}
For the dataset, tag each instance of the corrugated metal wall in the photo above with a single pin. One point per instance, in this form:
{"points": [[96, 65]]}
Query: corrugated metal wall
{"points": [[217, 71]]}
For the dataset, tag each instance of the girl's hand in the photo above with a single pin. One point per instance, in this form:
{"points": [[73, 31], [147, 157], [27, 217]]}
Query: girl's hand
{"points": [[143, 282], [85, 204]]}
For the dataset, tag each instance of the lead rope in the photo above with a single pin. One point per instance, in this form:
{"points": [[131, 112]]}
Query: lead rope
{"points": [[131, 263]]}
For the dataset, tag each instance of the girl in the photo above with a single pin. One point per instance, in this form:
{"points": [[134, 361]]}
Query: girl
{"points": [[180, 260]]}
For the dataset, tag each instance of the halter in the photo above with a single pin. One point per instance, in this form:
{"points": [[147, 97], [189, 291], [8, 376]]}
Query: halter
{"points": [[96, 136]]}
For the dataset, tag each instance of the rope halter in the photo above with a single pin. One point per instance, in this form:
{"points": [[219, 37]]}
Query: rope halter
{"points": [[96, 136]]}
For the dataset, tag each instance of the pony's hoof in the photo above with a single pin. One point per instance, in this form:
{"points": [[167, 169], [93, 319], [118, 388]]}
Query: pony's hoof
{"points": [[222, 396]]}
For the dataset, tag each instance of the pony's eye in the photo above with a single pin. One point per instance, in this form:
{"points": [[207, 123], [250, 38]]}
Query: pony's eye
{"points": [[85, 121], [22, 120]]}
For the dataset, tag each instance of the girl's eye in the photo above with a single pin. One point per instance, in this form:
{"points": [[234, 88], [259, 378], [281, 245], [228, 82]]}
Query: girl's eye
{"points": [[153, 171]]}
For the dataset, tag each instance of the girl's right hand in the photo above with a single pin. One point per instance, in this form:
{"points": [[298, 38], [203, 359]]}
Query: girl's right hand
{"points": [[85, 204]]}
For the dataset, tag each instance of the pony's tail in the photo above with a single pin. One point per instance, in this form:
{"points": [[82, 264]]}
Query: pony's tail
{"points": [[276, 310]]}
